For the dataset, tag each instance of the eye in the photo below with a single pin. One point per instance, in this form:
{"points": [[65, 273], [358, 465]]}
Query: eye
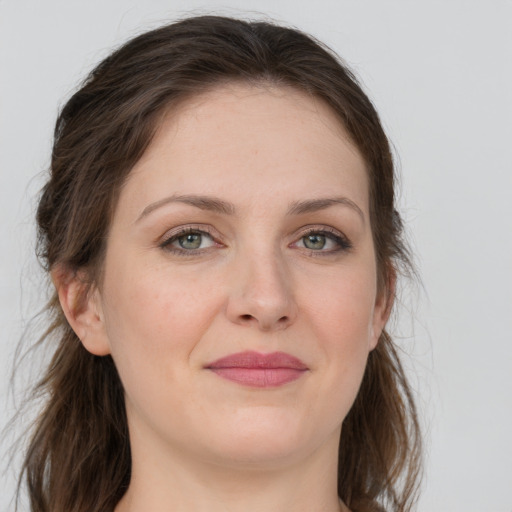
{"points": [[316, 241], [323, 241], [188, 240]]}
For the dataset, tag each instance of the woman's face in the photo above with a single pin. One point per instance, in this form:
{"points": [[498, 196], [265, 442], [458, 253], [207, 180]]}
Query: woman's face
{"points": [[244, 227]]}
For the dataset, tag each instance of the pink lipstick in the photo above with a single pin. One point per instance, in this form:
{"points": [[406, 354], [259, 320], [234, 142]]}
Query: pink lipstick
{"points": [[259, 370]]}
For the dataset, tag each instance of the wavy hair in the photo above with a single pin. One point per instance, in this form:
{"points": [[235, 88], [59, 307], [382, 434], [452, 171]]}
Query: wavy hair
{"points": [[78, 457]]}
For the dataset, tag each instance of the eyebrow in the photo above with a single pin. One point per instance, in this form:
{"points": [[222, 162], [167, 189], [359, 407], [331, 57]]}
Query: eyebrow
{"points": [[315, 205], [217, 205], [208, 203]]}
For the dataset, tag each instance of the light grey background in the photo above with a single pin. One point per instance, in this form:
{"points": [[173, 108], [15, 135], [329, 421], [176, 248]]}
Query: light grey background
{"points": [[440, 74]]}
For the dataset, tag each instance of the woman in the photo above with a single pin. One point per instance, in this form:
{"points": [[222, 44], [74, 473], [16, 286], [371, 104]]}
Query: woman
{"points": [[219, 224]]}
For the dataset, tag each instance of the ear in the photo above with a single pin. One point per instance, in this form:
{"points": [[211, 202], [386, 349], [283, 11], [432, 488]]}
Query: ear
{"points": [[81, 304], [382, 309]]}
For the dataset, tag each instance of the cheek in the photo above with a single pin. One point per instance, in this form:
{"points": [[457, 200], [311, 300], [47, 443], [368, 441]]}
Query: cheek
{"points": [[341, 306], [155, 320], [340, 314]]}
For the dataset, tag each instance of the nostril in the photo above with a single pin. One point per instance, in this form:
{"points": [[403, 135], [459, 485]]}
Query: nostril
{"points": [[246, 317], [283, 322]]}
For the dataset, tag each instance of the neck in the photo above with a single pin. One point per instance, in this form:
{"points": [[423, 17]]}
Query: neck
{"points": [[165, 480]]}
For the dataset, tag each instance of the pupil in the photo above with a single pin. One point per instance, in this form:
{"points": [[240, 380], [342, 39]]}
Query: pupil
{"points": [[190, 241], [314, 241]]}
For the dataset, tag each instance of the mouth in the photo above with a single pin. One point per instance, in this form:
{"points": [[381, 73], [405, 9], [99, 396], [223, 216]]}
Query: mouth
{"points": [[259, 370]]}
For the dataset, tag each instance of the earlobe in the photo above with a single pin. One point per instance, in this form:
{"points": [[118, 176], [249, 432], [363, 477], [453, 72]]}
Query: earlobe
{"points": [[81, 304]]}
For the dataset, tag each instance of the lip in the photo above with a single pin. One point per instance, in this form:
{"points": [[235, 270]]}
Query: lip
{"points": [[259, 370]]}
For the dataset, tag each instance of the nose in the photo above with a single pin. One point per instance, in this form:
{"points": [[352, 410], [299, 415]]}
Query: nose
{"points": [[261, 294]]}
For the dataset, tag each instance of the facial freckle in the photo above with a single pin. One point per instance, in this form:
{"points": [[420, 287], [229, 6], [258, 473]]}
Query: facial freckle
{"points": [[252, 258]]}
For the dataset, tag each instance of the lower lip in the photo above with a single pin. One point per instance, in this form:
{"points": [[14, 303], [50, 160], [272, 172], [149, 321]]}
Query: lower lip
{"points": [[259, 377]]}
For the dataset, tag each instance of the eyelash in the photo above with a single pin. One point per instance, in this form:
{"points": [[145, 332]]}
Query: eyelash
{"points": [[343, 243], [201, 230]]}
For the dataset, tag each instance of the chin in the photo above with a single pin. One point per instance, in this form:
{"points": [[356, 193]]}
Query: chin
{"points": [[263, 441]]}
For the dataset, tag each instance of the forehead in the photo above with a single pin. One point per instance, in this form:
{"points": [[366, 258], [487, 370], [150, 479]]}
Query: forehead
{"points": [[244, 140]]}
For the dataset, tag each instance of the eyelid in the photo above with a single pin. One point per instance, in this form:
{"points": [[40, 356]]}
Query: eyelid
{"points": [[334, 234], [174, 233], [343, 242]]}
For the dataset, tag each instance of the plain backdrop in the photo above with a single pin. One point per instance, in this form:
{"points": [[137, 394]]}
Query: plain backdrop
{"points": [[440, 75]]}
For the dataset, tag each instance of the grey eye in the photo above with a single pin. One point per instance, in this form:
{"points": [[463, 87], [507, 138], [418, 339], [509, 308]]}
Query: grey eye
{"points": [[190, 241], [314, 241]]}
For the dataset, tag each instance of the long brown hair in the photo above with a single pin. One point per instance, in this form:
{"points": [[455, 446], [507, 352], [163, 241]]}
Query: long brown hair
{"points": [[78, 458]]}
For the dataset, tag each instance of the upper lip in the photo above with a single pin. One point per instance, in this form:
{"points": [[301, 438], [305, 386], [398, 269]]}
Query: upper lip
{"points": [[251, 359]]}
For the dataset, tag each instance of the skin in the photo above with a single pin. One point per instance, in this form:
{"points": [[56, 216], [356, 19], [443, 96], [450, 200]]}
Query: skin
{"points": [[200, 442]]}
